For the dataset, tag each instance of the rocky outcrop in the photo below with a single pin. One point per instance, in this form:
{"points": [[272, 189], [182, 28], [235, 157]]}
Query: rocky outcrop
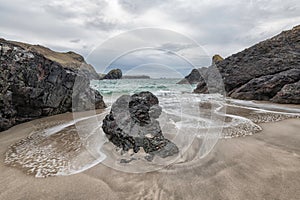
{"points": [[33, 85], [68, 60], [132, 124], [216, 59], [290, 93], [196, 74], [113, 74], [194, 77], [265, 71], [266, 87]]}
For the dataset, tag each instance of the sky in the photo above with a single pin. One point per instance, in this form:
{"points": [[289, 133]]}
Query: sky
{"points": [[104, 31]]}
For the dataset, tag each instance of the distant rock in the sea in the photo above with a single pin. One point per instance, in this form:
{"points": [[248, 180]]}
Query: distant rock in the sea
{"points": [[135, 77], [132, 124], [269, 70], [113, 74], [36, 81]]}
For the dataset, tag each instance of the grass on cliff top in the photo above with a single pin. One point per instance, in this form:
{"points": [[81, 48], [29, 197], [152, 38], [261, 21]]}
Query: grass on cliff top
{"points": [[66, 59]]}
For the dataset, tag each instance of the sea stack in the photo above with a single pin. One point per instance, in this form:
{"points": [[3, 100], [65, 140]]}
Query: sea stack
{"points": [[132, 124], [113, 74]]}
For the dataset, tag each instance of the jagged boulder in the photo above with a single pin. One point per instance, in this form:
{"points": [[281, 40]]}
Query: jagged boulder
{"points": [[33, 86], [132, 124]]}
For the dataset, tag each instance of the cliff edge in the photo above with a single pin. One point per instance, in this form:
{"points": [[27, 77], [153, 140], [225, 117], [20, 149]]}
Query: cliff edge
{"points": [[36, 81]]}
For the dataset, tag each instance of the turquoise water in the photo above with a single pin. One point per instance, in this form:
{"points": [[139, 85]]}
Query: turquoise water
{"points": [[112, 89]]}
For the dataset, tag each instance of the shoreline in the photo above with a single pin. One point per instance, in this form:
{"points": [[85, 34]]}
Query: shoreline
{"points": [[263, 165]]}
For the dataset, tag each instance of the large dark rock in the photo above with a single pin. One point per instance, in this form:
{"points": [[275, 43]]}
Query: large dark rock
{"points": [[113, 74], [290, 93], [132, 124], [266, 87], [263, 70], [32, 85]]}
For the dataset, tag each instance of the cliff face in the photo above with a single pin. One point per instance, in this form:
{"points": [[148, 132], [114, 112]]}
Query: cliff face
{"points": [[269, 70], [33, 85]]}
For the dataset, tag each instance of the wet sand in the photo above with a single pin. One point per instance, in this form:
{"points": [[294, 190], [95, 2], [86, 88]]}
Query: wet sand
{"points": [[265, 165]]}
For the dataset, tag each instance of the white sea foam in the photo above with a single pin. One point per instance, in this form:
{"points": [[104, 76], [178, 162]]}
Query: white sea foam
{"points": [[77, 145]]}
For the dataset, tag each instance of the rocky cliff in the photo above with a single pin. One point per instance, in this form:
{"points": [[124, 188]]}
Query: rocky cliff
{"points": [[269, 70], [36, 82]]}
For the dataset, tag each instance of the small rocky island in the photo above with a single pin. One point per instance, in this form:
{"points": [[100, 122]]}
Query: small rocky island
{"points": [[132, 124], [136, 77], [112, 74]]}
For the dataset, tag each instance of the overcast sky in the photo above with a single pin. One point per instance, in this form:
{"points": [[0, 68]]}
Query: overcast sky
{"points": [[219, 26]]}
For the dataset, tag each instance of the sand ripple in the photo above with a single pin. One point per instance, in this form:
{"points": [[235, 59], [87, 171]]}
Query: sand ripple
{"points": [[62, 152]]}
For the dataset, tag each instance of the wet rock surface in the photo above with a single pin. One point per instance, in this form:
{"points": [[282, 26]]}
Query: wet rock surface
{"points": [[132, 124], [32, 86], [265, 71]]}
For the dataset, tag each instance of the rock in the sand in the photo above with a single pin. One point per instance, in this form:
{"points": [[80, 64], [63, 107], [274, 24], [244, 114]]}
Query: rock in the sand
{"points": [[36, 81], [113, 74], [132, 124]]}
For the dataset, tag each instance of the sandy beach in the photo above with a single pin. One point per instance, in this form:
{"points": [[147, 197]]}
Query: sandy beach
{"points": [[265, 165], [149, 100]]}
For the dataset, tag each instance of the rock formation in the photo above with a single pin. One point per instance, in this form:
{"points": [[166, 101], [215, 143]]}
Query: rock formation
{"points": [[132, 124], [66, 60], [216, 59], [194, 77], [268, 70], [196, 74], [113, 74], [36, 82]]}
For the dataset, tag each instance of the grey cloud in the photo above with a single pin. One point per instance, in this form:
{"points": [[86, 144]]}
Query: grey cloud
{"points": [[139, 6], [75, 41], [175, 47], [219, 26]]}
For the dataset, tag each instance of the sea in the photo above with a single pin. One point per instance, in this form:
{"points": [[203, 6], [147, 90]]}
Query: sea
{"points": [[112, 89]]}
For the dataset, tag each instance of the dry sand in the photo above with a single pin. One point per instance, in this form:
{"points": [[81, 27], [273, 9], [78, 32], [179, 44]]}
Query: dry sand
{"points": [[262, 166]]}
